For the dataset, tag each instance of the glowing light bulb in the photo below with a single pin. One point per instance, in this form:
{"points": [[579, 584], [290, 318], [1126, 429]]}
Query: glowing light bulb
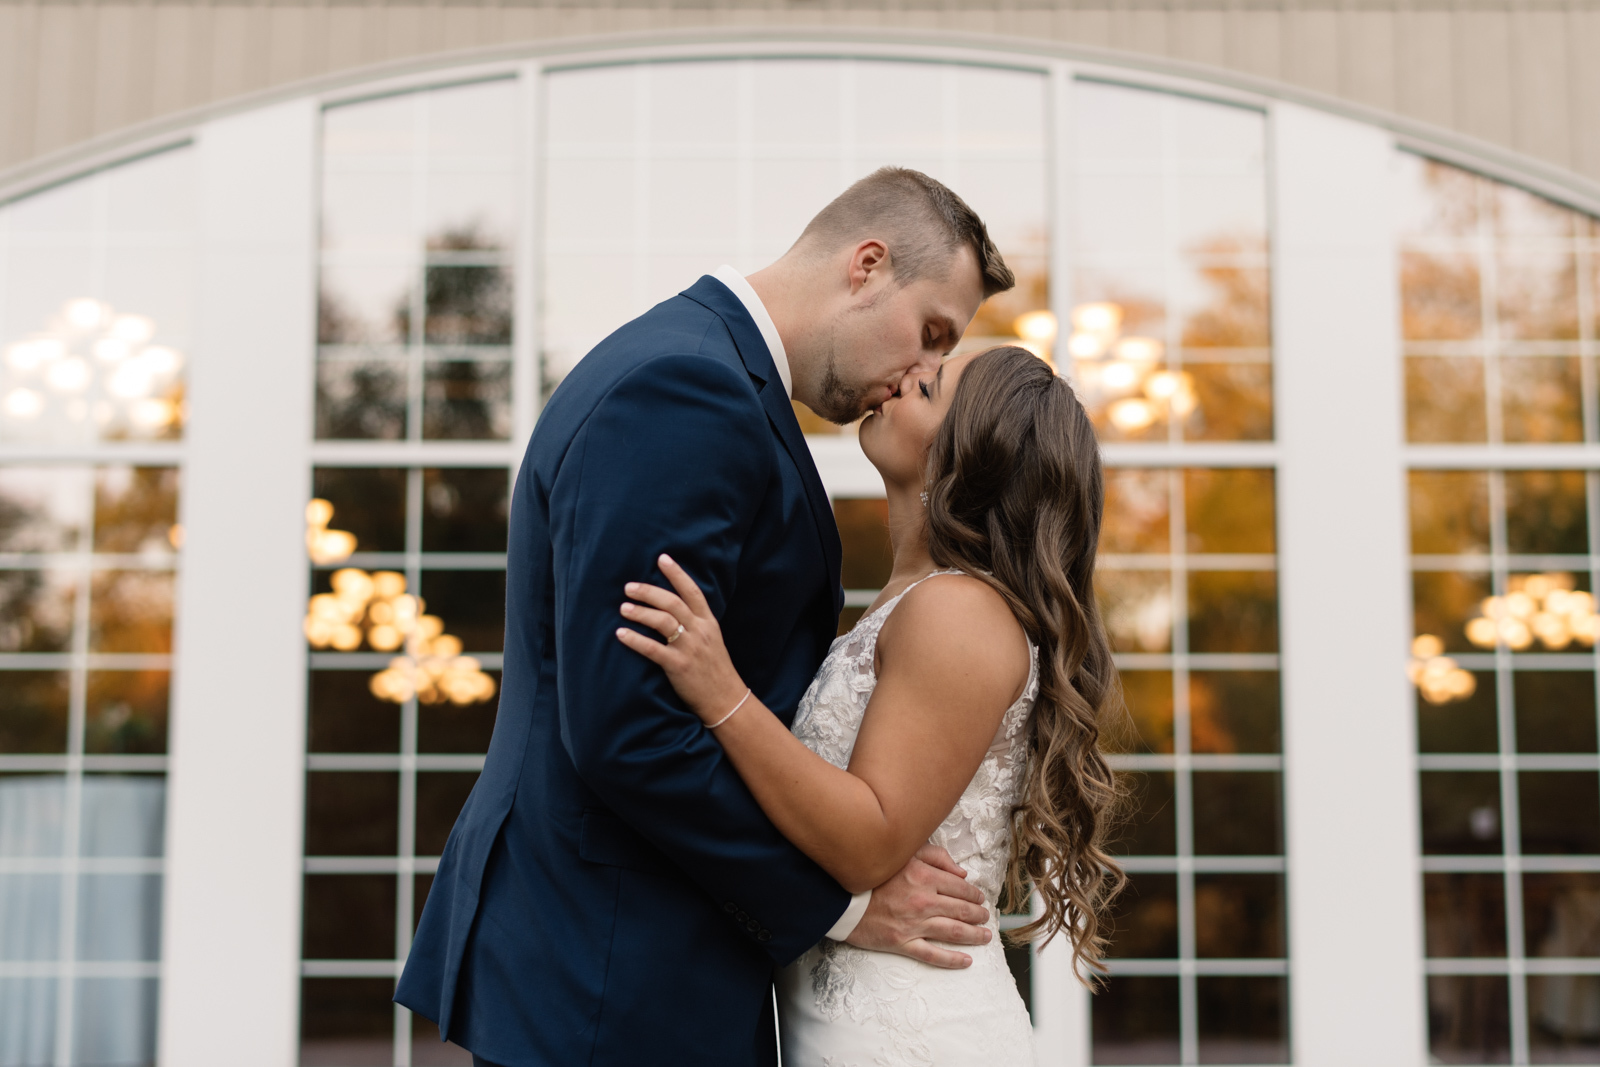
{"points": [[23, 404], [85, 314], [1139, 349], [1037, 326], [1132, 414], [1119, 375], [133, 329], [1101, 317], [1426, 646]]}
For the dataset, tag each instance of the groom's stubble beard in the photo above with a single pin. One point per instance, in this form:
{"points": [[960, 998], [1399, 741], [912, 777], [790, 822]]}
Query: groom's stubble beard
{"points": [[839, 401]]}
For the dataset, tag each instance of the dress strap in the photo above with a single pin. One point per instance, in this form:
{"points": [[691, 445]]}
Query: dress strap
{"points": [[925, 577]]}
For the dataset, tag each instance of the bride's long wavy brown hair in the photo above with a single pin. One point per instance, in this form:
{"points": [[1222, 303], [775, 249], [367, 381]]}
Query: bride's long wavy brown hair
{"points": [[1015, 497]]}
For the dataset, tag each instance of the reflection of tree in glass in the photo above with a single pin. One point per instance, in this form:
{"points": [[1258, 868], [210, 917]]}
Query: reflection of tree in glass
{"points": [[35, 612], [997, 314], [130, 611], [33, 712], [1440, 296], [127, 712], [335, 325], [361, 401], [1136, 511], [135, 509], [1449, 512], [1230, 510], [1546, 511], [465, 400], [1233, 611], [1234, 398], [463, 304]]}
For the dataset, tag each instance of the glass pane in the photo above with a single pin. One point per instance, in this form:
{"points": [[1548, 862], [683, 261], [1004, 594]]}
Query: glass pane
{"points": [[123, 815], [1150, 827], [1469, 1019], [468, 305], [1560, 812], [1243, 1018], [130, 611], [370, 502], [1238, 916], [346, 1021], [1466, 914], [33, 812], [448, 728], [365, 400], [864, 531], [1445, 399], [1148, 695], [1546, 512], [36, 610], [114, 1021], [1449, 512], [1135, 1021], [352, 813], [33, 711], [466, 401], [1559, 912], [135, 509], [1237, 813], [43, 509], [366, 305], [1555, 711], [126, 712], [119, 916], [440, 795], [1233, 611], [465, 509], [1537, 293], [1229, 510], [1444, 601], [31, 1003], [344, 716], [31, 906], [1468, 725], [1137, 511], [1564, 1018], [1460, 812], [349, 917], [1441, 296], [1234, 711], [472, 605], [1144, 919], [1233, 402], [1137, 608], [1540, 397]]}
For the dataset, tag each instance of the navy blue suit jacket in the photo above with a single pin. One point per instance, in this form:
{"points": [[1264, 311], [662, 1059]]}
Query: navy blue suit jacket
{"points": [[611, 893]]}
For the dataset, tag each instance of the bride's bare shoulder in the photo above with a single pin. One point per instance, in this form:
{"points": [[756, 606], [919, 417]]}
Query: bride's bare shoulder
{"points": [[957, 625]]}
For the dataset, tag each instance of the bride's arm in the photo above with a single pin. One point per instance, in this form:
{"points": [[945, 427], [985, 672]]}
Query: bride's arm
{"points": [[952, 659]]}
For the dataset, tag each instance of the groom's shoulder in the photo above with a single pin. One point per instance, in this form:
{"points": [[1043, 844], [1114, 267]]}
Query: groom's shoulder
{"points": [[670, 333]]}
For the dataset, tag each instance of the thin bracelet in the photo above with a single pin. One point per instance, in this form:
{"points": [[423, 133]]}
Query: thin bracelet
{"points": [[736, 707]]}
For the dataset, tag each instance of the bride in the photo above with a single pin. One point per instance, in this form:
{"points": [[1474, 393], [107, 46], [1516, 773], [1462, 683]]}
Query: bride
{"points": [[963, 709]]}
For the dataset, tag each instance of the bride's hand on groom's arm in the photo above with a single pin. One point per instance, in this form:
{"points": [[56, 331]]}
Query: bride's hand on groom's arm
{"points": [[927, 901], [693, 655]]}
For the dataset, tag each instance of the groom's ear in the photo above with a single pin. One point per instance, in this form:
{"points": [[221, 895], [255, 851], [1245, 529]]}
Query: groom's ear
{"points": [[869, 262]]}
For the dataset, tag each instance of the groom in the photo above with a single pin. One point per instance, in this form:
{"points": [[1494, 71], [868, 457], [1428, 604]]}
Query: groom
{"points": [[611, 894]]}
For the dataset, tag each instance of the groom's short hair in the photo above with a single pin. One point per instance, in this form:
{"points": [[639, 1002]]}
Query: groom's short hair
{"points": [[921, 221]]}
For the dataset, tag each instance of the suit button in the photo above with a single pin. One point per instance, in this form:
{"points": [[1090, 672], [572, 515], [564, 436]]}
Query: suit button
{"points": [[741, 917], [730, 907], [752, 926], [764, 936]]}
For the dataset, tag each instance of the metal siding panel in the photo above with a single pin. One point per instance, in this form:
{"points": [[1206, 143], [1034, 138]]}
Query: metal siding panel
{"points": [[1367, 62], [171, 56], [1424, 65], [64, 107], [294, 47], [462, 26], [1312, 49], [1255, 42], [1584, 43], [1139, 30], [1201, 36], [1541, 112], [400, 30], [19, 60], [1483, 75], [1085, 26], [122, 74], [349, 37]]}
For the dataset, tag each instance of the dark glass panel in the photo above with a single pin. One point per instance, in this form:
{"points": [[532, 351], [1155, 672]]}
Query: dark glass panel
{"points": [[468, 305], [1445, 400], [36, 611], [1148, 695], [38, 898], [119, 917], [33, 1002], [448, 728], [1237, 813], [135, 509], [1468, 725], [1555, 711], [1466, 914], [1460, 812], [1546, 512], [1560, 812], [1233, 611], [1238, 916], [1443, 602], [1230, 510], [1137, 609], [127, 712], [1144, 918], [114, 1021], [361, 400], [344, 716], [124, 815], [464, 400], [1469, 1019], [1150, 826], [45, 832], [1234, 711], [465, 509], [472, 605], [440, 795], [1541, 398], [345, 1021], [864, 531], [428, 1051], [1449, 512], [1243, 1018], [1137, 511], [1135, 1021], [1559, 913], [42, 509], [352, 813], [130, 611], [33, 711], [1563, 1020], [1440, 296], [848, 619], [1233, 402], [370, 502], [349, 917]]}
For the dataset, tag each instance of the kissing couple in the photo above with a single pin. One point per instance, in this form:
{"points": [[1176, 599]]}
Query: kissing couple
{"points": [[694, 793]]}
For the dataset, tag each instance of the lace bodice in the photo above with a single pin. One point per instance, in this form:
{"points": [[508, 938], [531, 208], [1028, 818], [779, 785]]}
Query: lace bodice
{"points": [[843, 1006], [977, 833]]}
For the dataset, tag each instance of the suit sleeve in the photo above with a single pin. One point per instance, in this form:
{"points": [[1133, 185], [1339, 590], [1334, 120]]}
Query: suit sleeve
{"points": [[675, 459]]}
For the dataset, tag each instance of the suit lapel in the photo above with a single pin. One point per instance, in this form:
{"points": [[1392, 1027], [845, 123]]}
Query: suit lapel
{"points": [[747, 338]]}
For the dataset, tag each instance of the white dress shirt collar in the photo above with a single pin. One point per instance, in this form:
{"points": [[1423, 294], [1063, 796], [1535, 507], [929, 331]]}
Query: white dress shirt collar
{"points": [[758, 311]]}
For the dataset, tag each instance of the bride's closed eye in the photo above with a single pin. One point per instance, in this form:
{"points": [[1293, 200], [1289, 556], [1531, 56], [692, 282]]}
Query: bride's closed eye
{"points": [[924, 387]]}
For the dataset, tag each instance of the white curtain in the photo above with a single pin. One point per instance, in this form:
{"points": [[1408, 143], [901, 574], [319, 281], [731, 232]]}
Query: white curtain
{"points": [[118, 919]]}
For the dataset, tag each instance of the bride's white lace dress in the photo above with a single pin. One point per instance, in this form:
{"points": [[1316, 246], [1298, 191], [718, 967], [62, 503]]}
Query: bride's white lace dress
{"points": [[841, 1006]]}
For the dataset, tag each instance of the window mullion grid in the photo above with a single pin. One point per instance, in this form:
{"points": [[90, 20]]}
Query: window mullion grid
{"points": [[418, 301], [1589, 384], [405, 885], [1183, 793], [1488, 319]]}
